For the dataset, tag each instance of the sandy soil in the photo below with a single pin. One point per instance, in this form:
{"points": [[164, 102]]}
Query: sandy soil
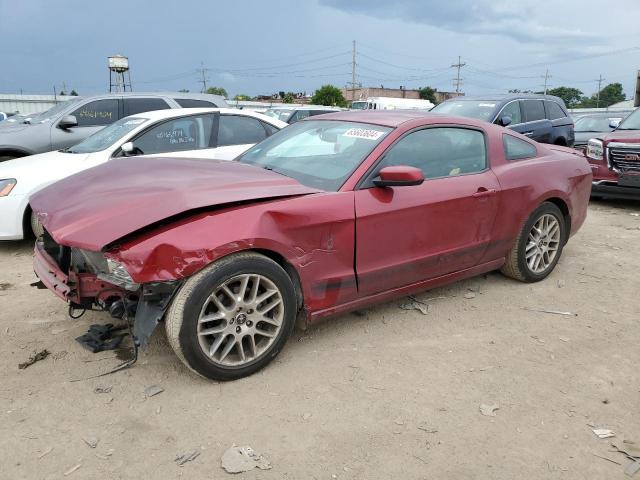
{"points": [[386, 393]]}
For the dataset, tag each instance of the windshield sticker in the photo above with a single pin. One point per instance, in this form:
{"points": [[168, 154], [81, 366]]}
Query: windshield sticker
{"points": [[134, 121], [363, 133], [491, 105]]}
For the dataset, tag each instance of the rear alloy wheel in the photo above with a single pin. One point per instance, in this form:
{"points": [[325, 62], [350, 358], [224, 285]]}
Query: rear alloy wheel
{"points": [[233, 318], [539, 245], [36, 226]]}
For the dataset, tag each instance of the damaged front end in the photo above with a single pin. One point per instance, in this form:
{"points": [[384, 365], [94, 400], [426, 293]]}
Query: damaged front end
{"points": [[90, 280]]}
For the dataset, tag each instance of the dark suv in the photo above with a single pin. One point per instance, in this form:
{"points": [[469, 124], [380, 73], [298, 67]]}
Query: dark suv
{"points": [[70, 122], [543, 118]]}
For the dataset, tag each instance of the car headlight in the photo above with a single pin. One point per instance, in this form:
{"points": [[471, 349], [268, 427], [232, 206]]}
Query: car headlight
{"points": [[595, 149], [6, 186], [118, 272]]}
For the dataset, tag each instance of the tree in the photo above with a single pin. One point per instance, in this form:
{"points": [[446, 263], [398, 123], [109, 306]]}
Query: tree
{"points": [[288, 98], [241, 97], [570, 96], [183, 90], [217, 91], [609, 95], [515, 90], [428, 93], [73, 93], [330, 96], [61, 93]]}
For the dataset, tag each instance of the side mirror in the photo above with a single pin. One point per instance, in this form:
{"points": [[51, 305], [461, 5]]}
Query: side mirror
{"points": [[399, 176], [67, 122], [129, 149], [614, 123], [505, 121]]}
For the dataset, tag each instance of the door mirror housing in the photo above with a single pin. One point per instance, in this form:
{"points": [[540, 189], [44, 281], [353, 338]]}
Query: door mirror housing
{"points": [[129, 149], [399, 176], [67, 122], [614, 123], [505, 121]]}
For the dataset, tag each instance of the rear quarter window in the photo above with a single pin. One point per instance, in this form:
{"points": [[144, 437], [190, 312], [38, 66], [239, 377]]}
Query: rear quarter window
{"points": [[554, 111], [192, 103], [517, 149]]}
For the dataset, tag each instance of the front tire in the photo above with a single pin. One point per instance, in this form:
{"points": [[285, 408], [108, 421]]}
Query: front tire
{"points": [[232, 318], [538, 247], [36, 226]]}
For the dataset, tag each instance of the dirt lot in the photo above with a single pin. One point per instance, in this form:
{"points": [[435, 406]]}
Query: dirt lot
{"points": [[387, 393]]}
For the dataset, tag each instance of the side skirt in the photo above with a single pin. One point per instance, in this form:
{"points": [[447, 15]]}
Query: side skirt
{"points": [[407, 290]]}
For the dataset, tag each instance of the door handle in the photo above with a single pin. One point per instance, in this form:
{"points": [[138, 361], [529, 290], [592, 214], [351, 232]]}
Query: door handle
{"points": [[484, 192], [528, 134]]}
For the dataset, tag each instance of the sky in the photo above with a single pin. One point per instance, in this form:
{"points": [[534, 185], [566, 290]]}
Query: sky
{"points": [[262, 47]]}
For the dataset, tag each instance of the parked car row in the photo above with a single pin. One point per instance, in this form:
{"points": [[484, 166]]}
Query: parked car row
{"points": [[70, 122]]}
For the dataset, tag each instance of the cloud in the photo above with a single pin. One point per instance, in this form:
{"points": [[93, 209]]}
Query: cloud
{"points": [[484, 17]]}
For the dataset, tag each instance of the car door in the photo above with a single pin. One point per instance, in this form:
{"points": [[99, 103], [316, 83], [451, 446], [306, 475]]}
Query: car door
{"points": [[91, 116], [536, 126], [408, 234], [186, 136]]}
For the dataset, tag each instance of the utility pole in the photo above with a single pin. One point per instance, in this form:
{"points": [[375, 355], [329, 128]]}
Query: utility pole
{"points": [[353, 72], [600, 80], [203, 77], [546, 80], [458, 80]]}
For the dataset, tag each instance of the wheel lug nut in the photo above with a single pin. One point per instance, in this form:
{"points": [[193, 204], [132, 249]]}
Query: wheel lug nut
{"points": [[238, 329], [249, 323], [250, 311]]}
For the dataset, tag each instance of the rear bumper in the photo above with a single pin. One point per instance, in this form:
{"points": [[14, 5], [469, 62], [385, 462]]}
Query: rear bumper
{"points": [[49, 273], [610, 189]]}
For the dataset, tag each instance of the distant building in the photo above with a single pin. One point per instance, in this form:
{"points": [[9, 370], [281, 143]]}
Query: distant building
{"points": [[363, 93], [15, 103]]}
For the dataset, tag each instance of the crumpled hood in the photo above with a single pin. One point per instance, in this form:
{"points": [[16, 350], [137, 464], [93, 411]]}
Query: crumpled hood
{"points": [[103, 204]]}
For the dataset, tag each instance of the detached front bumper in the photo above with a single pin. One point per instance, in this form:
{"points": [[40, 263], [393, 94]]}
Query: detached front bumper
{"points": [[49, 273]]}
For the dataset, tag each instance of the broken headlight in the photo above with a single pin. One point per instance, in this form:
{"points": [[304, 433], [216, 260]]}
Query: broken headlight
{"points": [[117, 271], [104, 268]]}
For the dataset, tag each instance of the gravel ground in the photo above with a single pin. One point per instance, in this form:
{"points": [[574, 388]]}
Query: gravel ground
{"points": [[383, 393]]}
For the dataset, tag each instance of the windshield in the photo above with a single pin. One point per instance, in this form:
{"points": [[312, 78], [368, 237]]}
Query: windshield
{"points": [[632, 122], [594, 124], [279, 114], [107, 136], [319, 154], [480, 109], [52, 112], [359, 105]]}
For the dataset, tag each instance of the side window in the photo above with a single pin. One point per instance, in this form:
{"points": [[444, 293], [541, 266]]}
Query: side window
{"points": [[239, 130], [139, 105], [533, 110], [98, 113], [554, 111], [270, 128], [440, 152], [299, 115], [517, 149], [177, 135], [191, 103], [319, 112], [511, 110]]}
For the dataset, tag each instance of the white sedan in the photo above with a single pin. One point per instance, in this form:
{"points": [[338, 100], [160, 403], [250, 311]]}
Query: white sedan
{"points": [[210, 133]]}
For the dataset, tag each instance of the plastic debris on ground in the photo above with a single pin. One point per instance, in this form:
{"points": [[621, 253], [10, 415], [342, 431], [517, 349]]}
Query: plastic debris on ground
{"points": [[243, 459], [102, 337], [153, 390], [413, 305], [489, 410], [604, 432], [36, 357], [187, 457], [553, 312]]}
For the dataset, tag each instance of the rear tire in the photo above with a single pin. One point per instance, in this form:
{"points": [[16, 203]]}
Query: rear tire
{"points": [[539, 245], [217, 324]]}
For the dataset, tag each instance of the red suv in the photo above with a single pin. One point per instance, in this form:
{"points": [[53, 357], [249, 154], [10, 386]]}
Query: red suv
{"points": [[615, 160]]}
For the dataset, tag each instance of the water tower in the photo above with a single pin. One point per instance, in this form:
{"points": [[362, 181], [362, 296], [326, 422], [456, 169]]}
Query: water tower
{"points": [[118, 67]]}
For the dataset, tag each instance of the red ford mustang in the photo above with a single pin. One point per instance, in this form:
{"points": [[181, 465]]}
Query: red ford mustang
{"points": [[328, 215]]}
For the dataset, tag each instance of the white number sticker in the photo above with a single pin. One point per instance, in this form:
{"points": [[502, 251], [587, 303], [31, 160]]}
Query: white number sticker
{"points": [[363, 133]]}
